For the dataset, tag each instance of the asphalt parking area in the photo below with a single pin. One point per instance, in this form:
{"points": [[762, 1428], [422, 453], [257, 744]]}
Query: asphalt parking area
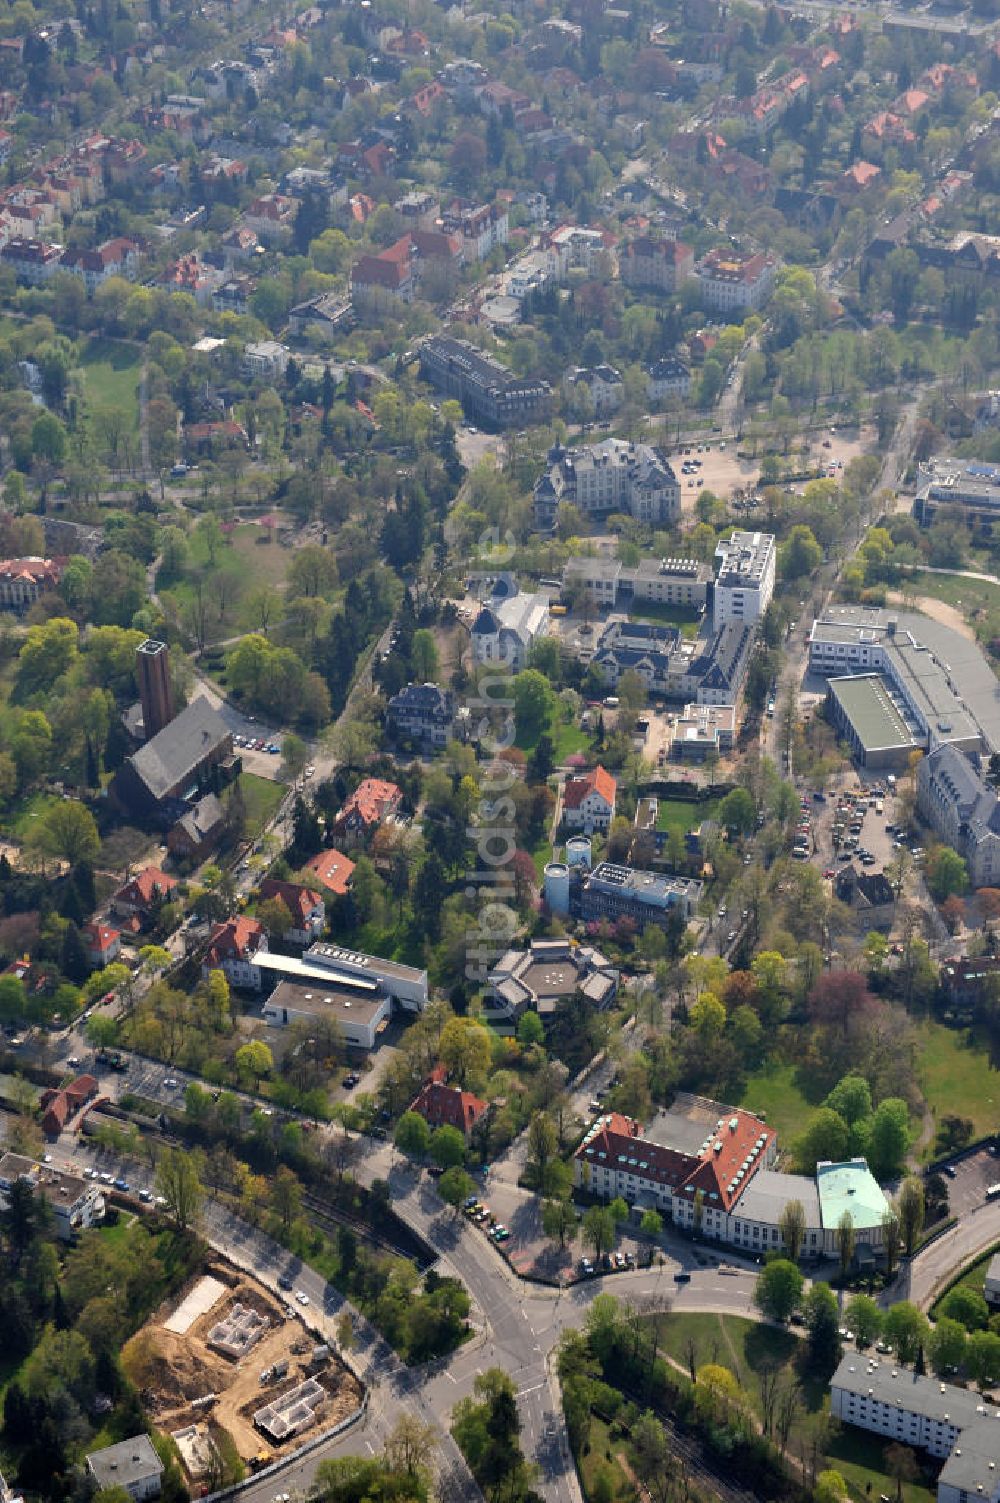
{"points": [[967, 1191]]}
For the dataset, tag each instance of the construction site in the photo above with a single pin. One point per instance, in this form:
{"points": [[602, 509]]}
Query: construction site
{"points": [[228, 1369]]}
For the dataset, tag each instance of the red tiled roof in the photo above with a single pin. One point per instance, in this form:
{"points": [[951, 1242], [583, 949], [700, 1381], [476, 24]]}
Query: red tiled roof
{"points": [[236, 939], [332, 870], [713, 1171], [300, 901], [143, 887], [81, 1089], [370, 801], [99, 936], [597, 781], [444, 1105]]}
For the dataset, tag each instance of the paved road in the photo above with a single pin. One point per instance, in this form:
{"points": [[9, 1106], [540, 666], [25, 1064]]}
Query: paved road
{"points": [[923, 1280]]}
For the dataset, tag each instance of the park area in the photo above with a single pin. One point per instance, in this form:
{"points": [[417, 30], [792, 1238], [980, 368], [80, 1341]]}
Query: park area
{"points": [[750, 1349]]}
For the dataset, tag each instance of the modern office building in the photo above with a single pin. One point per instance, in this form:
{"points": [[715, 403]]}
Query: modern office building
{"points": [[940, 683], [489, 392], [744, 581], [152, 667], [359, 1007], [669, 581], [961, 485], [871, 718], [613, 892]]}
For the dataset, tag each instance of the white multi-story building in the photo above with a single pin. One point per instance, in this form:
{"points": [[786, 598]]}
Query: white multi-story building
{"points": [[131, 1464], [744, 582], [610, 476], [670, 581], [879, 1395], [941, 681], [266, 359], [736, 283], [571, 248]]}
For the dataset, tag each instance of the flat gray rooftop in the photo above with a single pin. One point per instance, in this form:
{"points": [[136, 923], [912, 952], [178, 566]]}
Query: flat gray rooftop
{"points": [[867, 704]]}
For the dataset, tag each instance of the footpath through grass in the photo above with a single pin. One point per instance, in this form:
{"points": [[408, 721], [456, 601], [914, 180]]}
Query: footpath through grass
{"points": [[747, 1348]]}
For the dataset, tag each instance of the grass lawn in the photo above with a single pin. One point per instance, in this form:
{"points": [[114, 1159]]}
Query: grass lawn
{"points": [[596, 1459], [859, 1457], [955, 1075], [773, 1092], [744, 1346], [18, 821], [541, 854], [567, 738], [249, 558], [261, 798], [967, 595], [684, 814], [110, 373], [687, 621]]}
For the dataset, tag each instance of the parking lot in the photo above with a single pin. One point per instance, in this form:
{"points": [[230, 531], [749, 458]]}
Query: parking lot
{"points": [[968, 1180]]}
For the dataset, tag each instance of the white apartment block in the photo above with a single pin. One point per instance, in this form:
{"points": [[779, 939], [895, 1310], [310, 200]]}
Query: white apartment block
{"points": [[877, 1394], [570, 248], [736, 283], [744, 583]]}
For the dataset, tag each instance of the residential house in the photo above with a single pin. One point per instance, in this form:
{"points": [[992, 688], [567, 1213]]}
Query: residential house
{"points": [[23, 580], [272, 218], [198, 830], [368, 807], [332, 871], [234, 948], [34, 262], [667, 377], [732, 281], [507, 628], [869, 894], [443, 1105], [588, 801], [131, 1464], [388, 275], [141, 896], [422, 713], [603, 385], [115, 258], [306, 907], [659, 264], [102, 943]]}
